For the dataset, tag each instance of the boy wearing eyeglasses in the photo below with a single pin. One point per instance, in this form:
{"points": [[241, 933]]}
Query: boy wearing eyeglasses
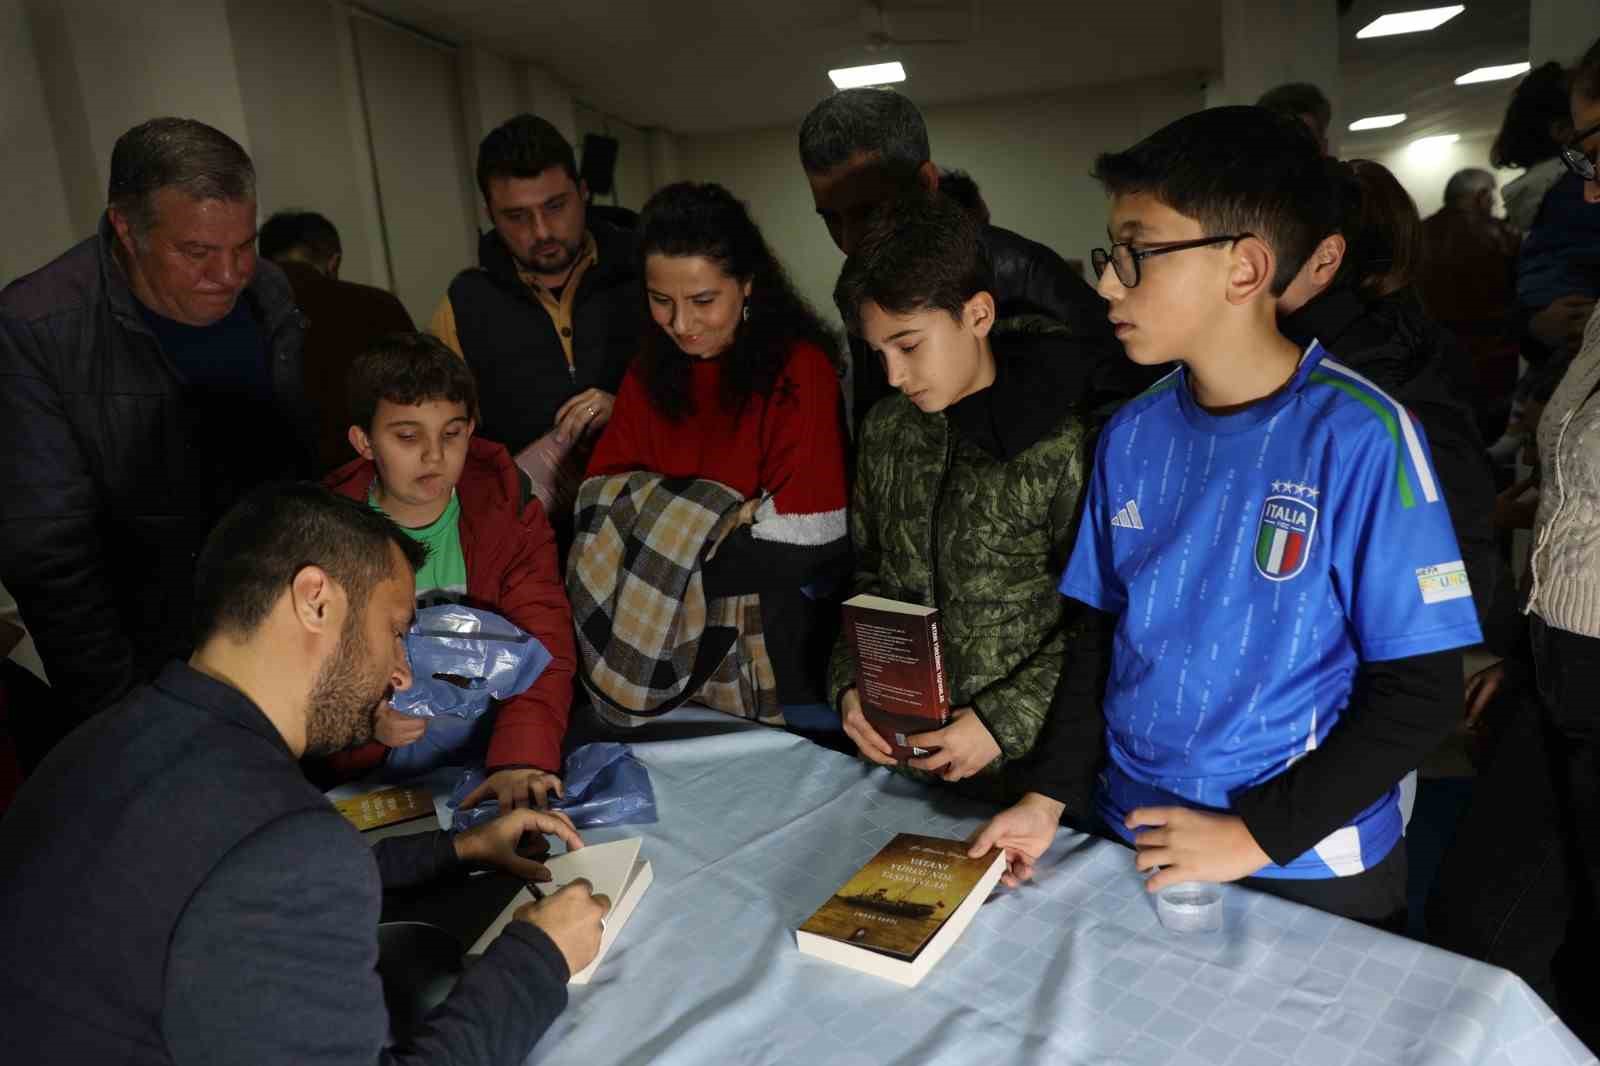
{"points": [[1265, 530]]}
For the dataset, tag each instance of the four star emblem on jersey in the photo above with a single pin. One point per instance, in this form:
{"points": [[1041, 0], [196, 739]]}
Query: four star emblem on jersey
{"points": [[1288, 523]]}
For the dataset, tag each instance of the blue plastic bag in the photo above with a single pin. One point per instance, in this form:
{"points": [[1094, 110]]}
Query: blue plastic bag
{"points": [[604, 785], [486, 657]]}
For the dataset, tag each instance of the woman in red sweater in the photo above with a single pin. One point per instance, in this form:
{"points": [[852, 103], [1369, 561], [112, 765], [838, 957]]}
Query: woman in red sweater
{"points": [[740, 385]]}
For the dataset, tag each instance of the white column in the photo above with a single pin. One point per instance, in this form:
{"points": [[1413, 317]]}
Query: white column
{"points": [[1267, 44], [108, 67], [39, 225], [551, 101], [1561, 30], [664, 165]]}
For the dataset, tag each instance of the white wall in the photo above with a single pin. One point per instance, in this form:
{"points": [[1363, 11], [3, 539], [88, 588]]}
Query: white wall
{"points": [[307, 151], [633, 177], [1030, 156], [1424, 173], [38, 225]]}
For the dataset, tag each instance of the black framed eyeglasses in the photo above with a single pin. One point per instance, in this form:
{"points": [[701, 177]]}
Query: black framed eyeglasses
{"points": [[1577, 160], [1126, 259]]}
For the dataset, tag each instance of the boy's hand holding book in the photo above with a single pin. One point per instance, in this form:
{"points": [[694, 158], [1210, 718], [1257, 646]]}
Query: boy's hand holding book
{"points": [[960, 749], [1023, 831], [868, 741], [1191, 845]]}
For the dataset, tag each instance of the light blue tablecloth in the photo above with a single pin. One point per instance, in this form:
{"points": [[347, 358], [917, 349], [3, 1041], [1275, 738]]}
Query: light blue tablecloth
{"points": [[758, 828]]}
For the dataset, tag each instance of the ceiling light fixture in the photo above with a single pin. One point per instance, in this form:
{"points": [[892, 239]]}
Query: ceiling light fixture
{"points": [[1500, 73], [860, 77], [1427, 18], [1432, 148], [1376, 122]]}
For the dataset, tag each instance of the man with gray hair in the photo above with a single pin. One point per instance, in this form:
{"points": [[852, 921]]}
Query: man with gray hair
{"points": [[863, 147], [152, 376]]}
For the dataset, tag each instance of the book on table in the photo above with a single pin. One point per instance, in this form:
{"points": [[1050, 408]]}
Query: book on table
{"points": [[900, 677], [898, 915], [614, 870]]}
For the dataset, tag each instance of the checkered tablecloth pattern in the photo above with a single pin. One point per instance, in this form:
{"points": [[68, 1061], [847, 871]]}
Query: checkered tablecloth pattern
{"points": [[757, 828]]}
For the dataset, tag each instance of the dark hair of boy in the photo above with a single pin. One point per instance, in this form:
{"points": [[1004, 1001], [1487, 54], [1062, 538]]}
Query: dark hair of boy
{"points": [[523, 147], [408, 369], [1537, 119], [1235, 170], [1382, 231], [694, 219], [287, 230], [920, 252], [276, 531]]}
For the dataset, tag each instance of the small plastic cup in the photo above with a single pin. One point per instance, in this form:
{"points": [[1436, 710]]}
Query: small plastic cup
{"points": [[1190, 907]]}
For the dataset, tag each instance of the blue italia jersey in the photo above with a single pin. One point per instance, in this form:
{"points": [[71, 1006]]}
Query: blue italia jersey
{"points": [[1253, 560]]}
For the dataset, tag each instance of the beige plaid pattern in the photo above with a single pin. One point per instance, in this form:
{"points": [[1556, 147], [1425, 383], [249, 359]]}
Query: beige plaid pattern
{"points": [[633, 618]]}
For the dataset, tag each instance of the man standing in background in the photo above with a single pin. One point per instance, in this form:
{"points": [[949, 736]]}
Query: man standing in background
{"points": [[343, 319], [863, 147], [552, 314], [152, 376]]}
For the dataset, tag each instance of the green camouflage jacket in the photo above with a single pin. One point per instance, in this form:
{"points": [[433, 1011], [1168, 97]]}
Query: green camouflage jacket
{"points": [[974, 510]]}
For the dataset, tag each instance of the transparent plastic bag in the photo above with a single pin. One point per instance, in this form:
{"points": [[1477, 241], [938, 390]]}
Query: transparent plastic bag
{"points": [[462, 659], [604, 783]]}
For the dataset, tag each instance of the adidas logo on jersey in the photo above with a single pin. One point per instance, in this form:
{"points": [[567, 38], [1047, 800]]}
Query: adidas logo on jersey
{"points": [[1128, 516]]}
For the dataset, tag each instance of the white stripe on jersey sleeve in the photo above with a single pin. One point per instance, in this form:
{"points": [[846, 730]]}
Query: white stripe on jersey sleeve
{"points": [[1430, 490]]}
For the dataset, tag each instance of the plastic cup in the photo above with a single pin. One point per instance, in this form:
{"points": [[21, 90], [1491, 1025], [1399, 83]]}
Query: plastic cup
{"points": [[1190, 907]]}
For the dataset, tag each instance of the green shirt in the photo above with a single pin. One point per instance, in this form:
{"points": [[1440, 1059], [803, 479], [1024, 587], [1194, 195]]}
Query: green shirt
{"points": [[443, 578]]}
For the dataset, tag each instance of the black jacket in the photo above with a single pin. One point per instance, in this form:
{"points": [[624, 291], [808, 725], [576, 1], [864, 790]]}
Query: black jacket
{"points": [[108, 487], [209, 905], [510, 341], [1031, 280], [1392, 343]]}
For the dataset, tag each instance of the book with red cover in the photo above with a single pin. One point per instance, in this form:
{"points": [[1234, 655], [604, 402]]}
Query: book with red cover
{"points": [[899, 669]]}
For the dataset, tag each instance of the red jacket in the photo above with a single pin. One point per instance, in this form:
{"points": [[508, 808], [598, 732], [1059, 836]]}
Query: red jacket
{"points": [[510, 553]]}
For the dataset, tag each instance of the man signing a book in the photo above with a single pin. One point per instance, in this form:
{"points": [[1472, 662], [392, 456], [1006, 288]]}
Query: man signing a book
{"points": [[208, 904]]}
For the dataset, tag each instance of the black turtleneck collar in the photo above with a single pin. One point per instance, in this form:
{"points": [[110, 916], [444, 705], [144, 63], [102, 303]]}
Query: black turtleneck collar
{"points": [[1034, 389]]}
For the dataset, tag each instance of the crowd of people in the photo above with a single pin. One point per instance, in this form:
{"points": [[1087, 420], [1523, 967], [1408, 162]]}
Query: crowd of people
{"points": [[1208, 533]]}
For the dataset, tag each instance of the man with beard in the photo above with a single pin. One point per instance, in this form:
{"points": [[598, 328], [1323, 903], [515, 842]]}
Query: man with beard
{"points": [[177, 892], [552, 314]]}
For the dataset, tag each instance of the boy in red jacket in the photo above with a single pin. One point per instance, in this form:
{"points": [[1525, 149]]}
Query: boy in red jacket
{"points": [[413, 407]]}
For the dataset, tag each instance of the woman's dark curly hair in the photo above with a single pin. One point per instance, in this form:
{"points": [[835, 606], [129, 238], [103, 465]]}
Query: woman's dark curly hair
{"points": [[1524, 138], [694, 219]]}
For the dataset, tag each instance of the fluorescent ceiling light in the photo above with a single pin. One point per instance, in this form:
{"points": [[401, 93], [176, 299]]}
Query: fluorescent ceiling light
{"points": [[1410, 21], [1507, 70], [1376, 122], [1432, 147], [876, 74]]}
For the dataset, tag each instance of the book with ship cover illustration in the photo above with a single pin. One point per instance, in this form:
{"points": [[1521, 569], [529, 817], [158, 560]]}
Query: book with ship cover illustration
{"points": [[899, 914]]}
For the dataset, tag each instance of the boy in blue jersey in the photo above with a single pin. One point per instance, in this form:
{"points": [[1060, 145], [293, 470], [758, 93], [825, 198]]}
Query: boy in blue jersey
{"points": [[1265, 534]]}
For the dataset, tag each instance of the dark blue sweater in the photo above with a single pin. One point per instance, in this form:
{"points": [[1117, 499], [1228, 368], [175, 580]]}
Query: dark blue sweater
{"points": [[172, 890]]}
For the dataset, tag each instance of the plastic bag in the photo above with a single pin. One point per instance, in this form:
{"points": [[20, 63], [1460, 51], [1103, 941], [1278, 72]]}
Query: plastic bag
{"points": [[604, 784], [462, 658]]}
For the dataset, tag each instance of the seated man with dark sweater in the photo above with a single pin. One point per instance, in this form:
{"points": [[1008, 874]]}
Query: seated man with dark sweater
{"points": [[177, 892]]}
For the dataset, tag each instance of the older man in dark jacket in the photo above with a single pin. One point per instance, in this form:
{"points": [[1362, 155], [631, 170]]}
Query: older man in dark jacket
{"points": [[151, 374], [861, 147]]}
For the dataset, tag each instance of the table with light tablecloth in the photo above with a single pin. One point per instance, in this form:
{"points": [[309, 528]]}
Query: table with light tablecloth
{"points": [[757, 828]]}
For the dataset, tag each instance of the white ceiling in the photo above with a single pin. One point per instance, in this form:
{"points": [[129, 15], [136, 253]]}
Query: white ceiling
{"points": [[1415, 73], [719, 65]]}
